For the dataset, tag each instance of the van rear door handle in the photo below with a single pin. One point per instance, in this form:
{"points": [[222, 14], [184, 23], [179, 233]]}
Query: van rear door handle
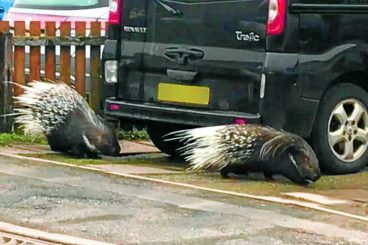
{"points": [[182, 56], [194, 54], [181, 75]]}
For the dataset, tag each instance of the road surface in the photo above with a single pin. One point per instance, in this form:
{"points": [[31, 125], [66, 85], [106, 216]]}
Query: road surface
{"points": [[126, 211]]}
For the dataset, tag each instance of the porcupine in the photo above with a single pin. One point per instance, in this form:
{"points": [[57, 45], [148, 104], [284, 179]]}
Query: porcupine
{"points": [[70, 125], [254, 148]]}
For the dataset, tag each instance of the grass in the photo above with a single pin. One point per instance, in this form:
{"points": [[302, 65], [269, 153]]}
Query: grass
{"points": [[144, 161], [254, 184], [133, 134], [7, 139], [12, 138]]}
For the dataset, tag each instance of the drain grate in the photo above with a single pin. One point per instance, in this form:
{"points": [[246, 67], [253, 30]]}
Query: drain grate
{"points": [[11, 239]]}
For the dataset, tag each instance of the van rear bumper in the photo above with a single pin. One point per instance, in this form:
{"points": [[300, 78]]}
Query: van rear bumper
{"points": [[173, 114]]}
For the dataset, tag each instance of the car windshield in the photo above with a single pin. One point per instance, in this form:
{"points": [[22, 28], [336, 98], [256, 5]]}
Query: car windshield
{"points": [[60, 4]]}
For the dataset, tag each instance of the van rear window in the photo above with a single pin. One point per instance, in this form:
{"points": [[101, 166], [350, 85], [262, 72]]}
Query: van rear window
{"points": [[200, 1], [60, 4]]}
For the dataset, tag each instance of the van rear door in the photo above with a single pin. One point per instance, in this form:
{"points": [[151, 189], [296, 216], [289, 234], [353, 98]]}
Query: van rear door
{"points": [[195, 53]]}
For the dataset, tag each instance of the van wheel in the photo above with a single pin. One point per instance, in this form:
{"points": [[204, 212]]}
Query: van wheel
{"points": [[156, 133], [340, 135]]}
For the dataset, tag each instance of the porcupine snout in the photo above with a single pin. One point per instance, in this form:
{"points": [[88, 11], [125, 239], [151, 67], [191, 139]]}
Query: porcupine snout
{"points": [[104, 138], [301, 164], [108, 143]]}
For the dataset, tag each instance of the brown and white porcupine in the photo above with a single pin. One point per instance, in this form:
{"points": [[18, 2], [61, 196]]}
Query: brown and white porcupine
{"points": [[254, 148], [58, 111]]}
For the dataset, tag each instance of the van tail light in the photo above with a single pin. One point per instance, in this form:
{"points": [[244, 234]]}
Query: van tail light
{"points": [[115, 12], [276, 17]]}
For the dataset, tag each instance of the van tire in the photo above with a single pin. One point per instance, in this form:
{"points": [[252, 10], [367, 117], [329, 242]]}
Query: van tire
{"points": [[156, 133], [336, 130]]}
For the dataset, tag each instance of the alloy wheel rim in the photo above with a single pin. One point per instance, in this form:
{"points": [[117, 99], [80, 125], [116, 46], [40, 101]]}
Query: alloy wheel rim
{"points": [[348, 130]]}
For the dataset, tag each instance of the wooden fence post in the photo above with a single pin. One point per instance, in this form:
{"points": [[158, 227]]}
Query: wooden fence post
{"points": [[65, 30], [80, 60], [50, 62], [20, 58], [6, 93], [95, 68], [35, 53]]}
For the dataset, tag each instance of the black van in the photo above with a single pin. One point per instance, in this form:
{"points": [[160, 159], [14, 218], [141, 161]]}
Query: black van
{"points": [[297, 65]]}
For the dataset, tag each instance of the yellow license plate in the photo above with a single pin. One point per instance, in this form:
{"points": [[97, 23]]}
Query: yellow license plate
{"points": [[199, 95]]}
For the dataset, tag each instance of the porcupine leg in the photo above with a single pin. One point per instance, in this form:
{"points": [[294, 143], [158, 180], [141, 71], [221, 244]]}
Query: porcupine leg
{"points": [[91, 154], [224, 173], [240, 170], [232, 169], [77, 151], [56, 143], [268, 175]]}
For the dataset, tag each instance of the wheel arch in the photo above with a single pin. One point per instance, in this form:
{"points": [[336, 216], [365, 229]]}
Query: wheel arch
{"points": [[355, 78], [350, 85], [307, 107]]}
